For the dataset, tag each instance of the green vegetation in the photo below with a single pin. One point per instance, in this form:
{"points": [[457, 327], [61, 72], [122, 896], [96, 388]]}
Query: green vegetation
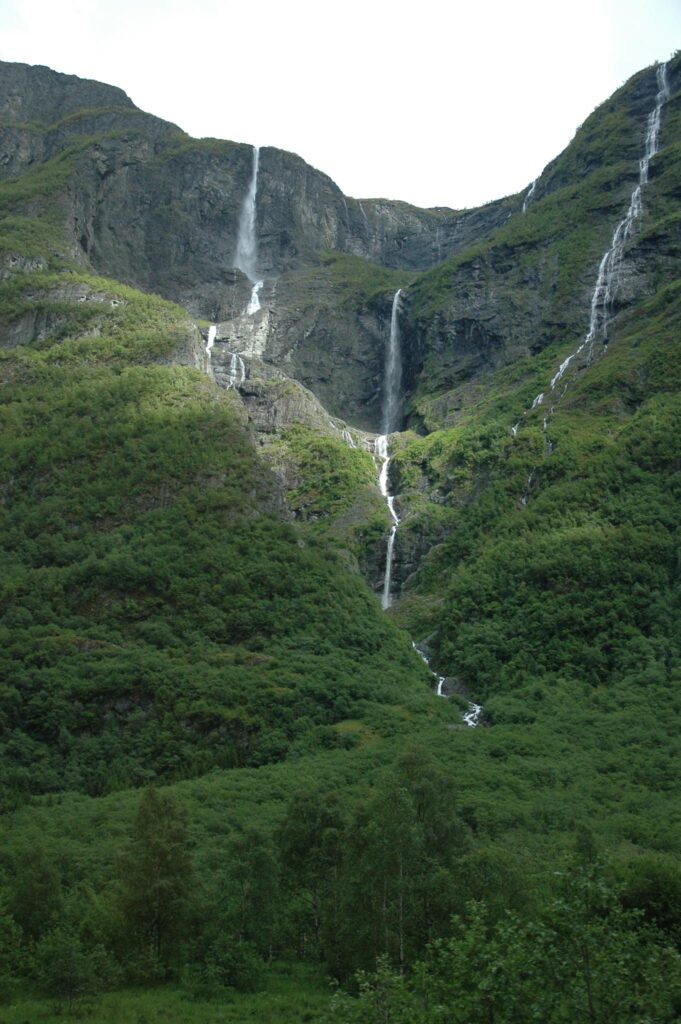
{"points": [[225, 778], [359, 282], [178, 144], [584, 958], [295, 993], [128, 659]]}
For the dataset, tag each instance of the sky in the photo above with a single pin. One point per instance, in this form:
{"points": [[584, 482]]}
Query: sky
{"points": [[437, 103]]}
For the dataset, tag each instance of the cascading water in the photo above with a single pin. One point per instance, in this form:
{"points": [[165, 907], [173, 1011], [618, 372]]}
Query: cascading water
{"points": [[237, 371], [390, 422], [212, 332], [382, 452], [610, 268], [473, 715], [347, 437], [246, 258], [440, 680], [530, 193]]}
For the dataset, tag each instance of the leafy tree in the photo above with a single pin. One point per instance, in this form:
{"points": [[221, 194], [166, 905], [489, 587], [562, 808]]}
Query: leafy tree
{"points": [[584, 959], [66, 970], [652, 885], [383, 998], [311, 842], [401, 845], [35, 898], [227, 965], [11, 954], [156, 872], [612, 966]]}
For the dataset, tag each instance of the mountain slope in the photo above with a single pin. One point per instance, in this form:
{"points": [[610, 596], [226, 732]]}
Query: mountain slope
{"points": [[191, 534], [160, 615]]}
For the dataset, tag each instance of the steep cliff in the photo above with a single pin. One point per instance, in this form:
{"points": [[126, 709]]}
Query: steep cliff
{"points": [[147, 205]]}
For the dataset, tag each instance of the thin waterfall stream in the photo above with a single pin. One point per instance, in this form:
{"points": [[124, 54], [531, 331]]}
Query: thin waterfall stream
{"points": [[474, 714], [237, 368], [381, 449], [212, 331], [610, 268], [530, 192], [390, 422], [246, 258]]}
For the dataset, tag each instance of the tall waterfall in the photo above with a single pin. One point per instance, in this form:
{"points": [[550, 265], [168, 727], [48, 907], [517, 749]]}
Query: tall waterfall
{"points": [[390, 421], [393, 371], [610, 268], [246, 258]]}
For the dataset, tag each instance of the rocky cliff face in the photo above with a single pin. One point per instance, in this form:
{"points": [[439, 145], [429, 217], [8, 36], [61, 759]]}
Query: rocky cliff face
{"points": [[300, 209], [503, 289], [150, 173], [145, 204], [42, 113], [528, 290], [38, 96]]}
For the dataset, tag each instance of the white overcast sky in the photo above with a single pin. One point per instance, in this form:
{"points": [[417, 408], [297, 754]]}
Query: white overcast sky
{"points": [[447, 103]]}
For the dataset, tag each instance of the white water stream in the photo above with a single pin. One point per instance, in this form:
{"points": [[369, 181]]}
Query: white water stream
{"points": [[212, 331], [393, 371], [237, 367], [530, 193], [381, 450], [610, 269], [237, 371], [473, 715], [390, 422], [246, 258]]}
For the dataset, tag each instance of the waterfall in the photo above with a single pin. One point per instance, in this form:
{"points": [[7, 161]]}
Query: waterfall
{"points": [[528, 487], [390, 420], [237, 371], [439, 680], [254, 302], [393, 371], [212, 331], [610, 268], [246, 257], [530, 193], [364, 218], [381, 450], [347, 437], [473, 715], [347, 217]]}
